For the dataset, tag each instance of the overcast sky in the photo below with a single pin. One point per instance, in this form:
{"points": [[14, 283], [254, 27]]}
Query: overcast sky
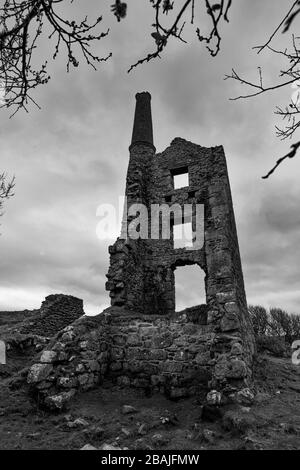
{"points": [[72, 155]]}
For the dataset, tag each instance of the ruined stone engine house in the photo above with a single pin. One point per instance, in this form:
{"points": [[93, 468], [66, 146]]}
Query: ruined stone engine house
{"points": [[141, 274], [140, 340]]}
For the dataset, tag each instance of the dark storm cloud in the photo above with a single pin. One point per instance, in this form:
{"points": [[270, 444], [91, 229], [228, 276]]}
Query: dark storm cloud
{"points": [[72, 156], [270, 243]]}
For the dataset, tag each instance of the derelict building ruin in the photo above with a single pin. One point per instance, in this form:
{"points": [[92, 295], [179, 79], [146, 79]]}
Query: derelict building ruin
{"points": [[140, 340]]}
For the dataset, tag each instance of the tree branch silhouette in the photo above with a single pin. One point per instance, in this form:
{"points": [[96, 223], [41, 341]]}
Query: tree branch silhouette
{"points": [[6, 190], [162, 33], [290, 76], [23, 22]]}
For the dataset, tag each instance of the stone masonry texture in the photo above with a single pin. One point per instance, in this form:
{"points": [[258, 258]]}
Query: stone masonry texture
{"points": [[140, 340], [56, 312]]}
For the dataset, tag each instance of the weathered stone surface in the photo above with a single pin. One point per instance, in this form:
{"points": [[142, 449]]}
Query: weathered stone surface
{"points": [[236, 349], [67, 373], [208, 436], [159, 440], [106, 446], [202, 358], [83, 379], [56, 311], [244, 397], [39, 372], [88, 447], [59, 401], [78, 423], [67, 382], [229, 321], [93, 365], [236, 369], [213, 398], [48, 356], [230, 368], [128, 409]]}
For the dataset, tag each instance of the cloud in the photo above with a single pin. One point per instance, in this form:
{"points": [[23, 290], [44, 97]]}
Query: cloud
{"points": [[72, 155]]}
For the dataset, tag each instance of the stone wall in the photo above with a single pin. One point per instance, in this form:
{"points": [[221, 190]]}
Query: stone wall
{"points": [[167, 354], [128, 257], [56, 312], [141, 273], [76, 360]]}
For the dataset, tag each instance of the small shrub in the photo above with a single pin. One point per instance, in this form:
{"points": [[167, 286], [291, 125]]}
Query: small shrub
{"points": [[259, 318], [272, 344], [274, 324]]}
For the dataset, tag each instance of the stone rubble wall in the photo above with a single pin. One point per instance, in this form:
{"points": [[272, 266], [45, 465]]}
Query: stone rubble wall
{"points": [[128, 257], [167, 354], [56, 312], [160, 354], [175, 355], [75, 360], [125, 275]]}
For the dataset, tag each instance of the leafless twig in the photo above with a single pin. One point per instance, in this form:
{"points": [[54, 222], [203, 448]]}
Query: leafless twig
{"points": [[291, 154], [290, 76], [187, 12], [22, 24], [6, 190]]}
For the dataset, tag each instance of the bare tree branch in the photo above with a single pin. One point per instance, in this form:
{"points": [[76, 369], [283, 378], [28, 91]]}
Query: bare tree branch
{"points": [[291, 154], [22, 24], [6, 190], [257, 86], [291, 77], [288, 19], [217, 12], [162, 34]]}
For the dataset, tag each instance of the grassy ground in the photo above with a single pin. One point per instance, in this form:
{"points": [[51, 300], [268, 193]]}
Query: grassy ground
{"points": [[97, 417]]}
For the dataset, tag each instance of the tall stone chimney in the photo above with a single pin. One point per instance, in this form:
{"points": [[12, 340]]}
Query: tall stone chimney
{"points": [[142, 128]]}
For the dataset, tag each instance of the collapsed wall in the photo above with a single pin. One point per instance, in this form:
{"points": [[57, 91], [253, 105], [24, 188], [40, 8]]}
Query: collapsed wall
{"points": [[173, 355], [28, 331], [56, 312]]}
